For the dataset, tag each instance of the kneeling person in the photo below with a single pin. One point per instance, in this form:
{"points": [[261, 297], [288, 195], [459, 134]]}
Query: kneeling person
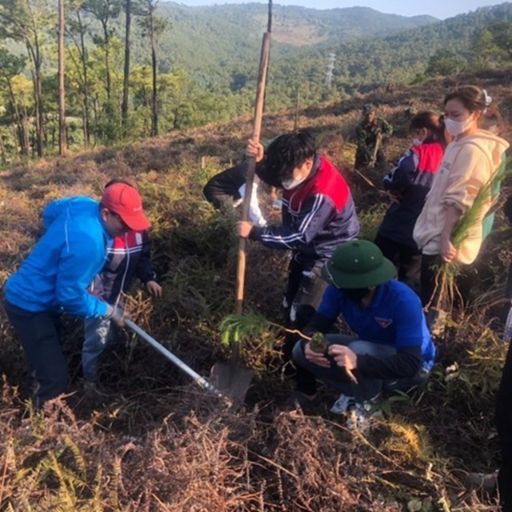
{"points": [[392, 348], [226, 190]]}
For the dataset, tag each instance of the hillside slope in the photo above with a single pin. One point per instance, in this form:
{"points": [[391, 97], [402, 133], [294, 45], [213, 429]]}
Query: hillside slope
{"points": [[157, 443]]}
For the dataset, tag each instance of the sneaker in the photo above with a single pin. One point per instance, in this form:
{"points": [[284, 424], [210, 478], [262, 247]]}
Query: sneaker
{"points": [[359, 415], [342, 404]]}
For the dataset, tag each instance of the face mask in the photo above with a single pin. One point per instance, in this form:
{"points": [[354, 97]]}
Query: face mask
{"points": [[355, 294], [292, 183], [417, 142], [457, 127]]}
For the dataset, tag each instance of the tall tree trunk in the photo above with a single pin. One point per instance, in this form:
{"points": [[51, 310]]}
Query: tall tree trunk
{"points": [[107, 62], [85, 89], [20, 128], [62, 94], [3, 154], [124, 105], [36, 80], [35, 54], [154, 110], [26, 131]]}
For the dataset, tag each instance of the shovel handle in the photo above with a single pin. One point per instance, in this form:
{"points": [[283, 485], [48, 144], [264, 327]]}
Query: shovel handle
{"points": [[201, 381], [258, 115]]}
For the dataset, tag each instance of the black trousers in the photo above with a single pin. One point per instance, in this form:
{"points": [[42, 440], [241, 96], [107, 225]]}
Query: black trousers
{"points": [[429, 268], [38, 334], [407, 260], [504, 427], [219, 198], [303, 296]]}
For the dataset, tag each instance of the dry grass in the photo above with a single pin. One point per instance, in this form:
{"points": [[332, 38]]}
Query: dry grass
{"points": [[158, 444]]}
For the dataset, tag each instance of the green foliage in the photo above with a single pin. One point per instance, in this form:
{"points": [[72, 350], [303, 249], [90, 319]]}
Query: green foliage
{"points": [[239, 328], [445, 63], [207, 61]]}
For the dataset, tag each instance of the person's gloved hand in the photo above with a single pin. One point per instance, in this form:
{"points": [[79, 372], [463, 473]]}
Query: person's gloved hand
{"points": [[117, 315], [154, 288]]}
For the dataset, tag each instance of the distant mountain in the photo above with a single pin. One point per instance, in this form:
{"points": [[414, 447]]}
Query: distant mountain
{"points": [[219, 45], [399, 57], [207, 37]]}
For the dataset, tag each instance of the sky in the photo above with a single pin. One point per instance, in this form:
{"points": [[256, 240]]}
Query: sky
{"points": [[439, 8]]}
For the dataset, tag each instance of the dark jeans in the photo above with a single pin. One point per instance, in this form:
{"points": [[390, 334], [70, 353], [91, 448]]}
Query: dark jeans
{"points": [[38, 334], [303, 296], [366, 387], [406, 259], [504, 427], [430, 266]]}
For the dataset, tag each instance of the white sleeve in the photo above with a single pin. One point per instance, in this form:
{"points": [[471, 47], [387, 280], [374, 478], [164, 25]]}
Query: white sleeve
{"points": [[255, 214]]}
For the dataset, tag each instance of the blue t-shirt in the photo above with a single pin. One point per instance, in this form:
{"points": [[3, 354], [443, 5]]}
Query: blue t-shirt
{"points": [[394, 318]]}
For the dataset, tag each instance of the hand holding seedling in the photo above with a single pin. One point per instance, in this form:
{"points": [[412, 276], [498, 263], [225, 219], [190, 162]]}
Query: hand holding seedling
{"points": [[318, 343], [315, 357], [448, 251], [343, 356]]}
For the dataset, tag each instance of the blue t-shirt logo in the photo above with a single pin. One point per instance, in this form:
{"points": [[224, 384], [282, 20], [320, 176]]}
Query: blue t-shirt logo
{"points": [[383, 322]]}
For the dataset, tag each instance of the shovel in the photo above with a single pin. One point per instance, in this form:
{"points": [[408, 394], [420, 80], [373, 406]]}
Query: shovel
{"points": [[202, 382], [232, 378]]}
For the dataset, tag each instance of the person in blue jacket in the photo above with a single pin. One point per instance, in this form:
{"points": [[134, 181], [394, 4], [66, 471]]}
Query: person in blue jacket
{"points": [[55, 276], [392, 347], [409, 182]]}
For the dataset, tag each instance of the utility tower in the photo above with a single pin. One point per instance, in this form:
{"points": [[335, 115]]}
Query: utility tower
{"points": [[330, 69]]}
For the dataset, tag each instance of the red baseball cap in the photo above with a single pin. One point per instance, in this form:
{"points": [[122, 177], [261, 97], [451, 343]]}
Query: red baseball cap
{"points": [[127, 203]]}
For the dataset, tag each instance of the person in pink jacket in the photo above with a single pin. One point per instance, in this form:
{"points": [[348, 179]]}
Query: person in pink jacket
{"points": [[470, 162]]}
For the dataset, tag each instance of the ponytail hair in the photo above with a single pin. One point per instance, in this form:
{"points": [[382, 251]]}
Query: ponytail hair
{"points": [[491, 120], [432, 122]]}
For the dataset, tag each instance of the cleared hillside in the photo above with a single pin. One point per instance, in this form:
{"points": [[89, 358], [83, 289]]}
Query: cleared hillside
{"points": [[156, 443]]}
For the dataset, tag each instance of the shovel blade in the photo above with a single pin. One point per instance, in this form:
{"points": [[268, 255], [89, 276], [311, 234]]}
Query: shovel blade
{"points": [[231, 380]]}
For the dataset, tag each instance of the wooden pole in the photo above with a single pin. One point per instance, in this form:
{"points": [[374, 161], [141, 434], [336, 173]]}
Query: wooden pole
{"points": [[62, 94], [256, 132]]}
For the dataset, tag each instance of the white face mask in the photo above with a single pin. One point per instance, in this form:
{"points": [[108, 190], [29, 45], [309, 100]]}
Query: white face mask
{"points": [[292, 183], [457, 127], [417, 142]]}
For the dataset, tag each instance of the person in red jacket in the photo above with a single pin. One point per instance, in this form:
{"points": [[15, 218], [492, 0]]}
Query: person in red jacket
{"points": [[128, 257], [409, 183], [318, 214]]}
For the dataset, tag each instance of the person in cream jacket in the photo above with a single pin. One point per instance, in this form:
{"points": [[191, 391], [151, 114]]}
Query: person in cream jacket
{"points": [[469, 163]]}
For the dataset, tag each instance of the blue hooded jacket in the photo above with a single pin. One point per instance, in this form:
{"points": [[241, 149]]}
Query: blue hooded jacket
{"points": [[61, 266]]}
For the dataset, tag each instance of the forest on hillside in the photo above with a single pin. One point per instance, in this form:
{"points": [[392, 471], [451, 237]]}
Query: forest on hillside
{"points": [[133, 68]]}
